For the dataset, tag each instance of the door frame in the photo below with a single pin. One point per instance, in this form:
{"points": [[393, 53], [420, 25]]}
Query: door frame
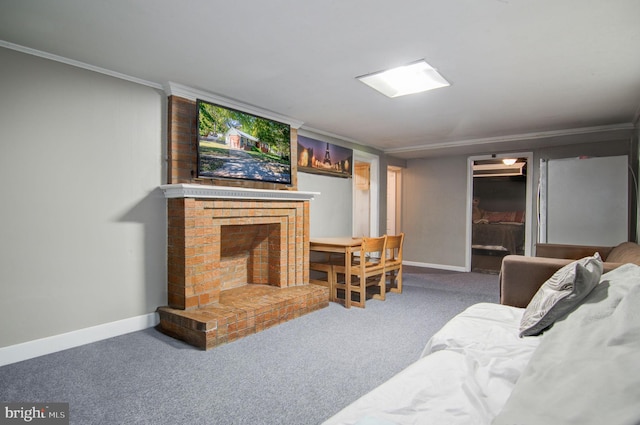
{"points": [[394, 199], [374, 190], [529, 217]]}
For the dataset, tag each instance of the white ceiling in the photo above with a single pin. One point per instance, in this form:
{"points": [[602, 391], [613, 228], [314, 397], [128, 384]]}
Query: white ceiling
{"points": [[519, 69]]}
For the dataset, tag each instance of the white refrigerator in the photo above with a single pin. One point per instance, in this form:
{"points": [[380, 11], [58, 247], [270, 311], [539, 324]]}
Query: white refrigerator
{"points": [[584, 201]]}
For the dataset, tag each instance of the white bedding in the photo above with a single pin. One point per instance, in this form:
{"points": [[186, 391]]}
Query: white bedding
{"points": [[467, 371], [587, 368]]}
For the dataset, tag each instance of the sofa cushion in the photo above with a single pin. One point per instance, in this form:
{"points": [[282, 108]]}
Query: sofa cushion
{"points": [[560, 294], [626, 252]]}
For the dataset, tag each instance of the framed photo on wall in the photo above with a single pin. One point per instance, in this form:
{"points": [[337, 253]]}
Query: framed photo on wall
{"points": [[318, 157]]}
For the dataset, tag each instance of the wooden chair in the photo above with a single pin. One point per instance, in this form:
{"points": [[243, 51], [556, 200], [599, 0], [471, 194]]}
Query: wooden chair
{"points": [[393, 262], [324, 264], [366, 272]]}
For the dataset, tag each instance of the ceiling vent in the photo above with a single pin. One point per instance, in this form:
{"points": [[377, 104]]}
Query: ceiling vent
{"points": [[499, 170]]}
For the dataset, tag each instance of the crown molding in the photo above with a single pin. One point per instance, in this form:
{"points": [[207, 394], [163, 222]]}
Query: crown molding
{"points": [[190, 93], [317, 132], [340, 140], [511, 138], [78, 64]]}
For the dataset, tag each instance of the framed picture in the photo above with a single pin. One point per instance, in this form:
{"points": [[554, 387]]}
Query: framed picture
{"points": [[318, 157]]}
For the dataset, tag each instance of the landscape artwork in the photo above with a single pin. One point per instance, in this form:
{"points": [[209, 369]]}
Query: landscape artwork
{"points": [[237, 145], [318, 157]]}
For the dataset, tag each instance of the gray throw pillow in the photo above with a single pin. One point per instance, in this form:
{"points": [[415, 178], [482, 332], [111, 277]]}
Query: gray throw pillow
{"points": [[560, 294]]}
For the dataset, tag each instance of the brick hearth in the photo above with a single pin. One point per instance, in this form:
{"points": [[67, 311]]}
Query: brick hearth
{"points": [[240, 312], [238, 262]]}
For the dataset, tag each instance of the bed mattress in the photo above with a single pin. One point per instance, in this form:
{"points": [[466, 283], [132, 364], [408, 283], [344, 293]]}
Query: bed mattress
{"points": [[464, 376]]}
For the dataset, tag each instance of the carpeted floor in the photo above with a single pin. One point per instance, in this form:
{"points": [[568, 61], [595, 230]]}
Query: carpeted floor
{"points": [[300, 372]]}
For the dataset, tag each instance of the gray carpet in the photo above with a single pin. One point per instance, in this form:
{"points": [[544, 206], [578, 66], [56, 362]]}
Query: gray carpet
{"points": [[300, 372]]}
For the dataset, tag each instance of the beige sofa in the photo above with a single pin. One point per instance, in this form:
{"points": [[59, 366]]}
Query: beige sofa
{"points": [[520, 277]]}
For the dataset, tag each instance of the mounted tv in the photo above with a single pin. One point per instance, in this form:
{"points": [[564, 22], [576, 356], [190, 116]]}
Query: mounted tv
{"points": [[238, 145]]}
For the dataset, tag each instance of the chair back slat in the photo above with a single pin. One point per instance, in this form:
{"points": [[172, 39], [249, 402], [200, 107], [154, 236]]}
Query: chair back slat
{"points": [[393, 266], [372, 247], [394, 246]]}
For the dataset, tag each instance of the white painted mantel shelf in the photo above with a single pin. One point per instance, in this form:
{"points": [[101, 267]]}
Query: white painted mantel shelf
{"points": [[183, 190]]}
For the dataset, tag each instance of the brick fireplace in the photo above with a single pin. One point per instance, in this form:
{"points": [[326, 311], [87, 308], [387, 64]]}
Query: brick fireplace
{"points": [[238, 262]]}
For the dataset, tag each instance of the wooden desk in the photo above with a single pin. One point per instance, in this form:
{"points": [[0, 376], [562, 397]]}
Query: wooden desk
{"points": [[344, 244]]}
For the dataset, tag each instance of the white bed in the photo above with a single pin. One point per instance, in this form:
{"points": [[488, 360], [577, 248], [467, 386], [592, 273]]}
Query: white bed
{"points": [[585, 369], [465, 375]]}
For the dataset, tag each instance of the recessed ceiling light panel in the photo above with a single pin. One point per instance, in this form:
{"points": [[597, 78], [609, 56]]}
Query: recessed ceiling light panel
{"points": [[408, 79]]}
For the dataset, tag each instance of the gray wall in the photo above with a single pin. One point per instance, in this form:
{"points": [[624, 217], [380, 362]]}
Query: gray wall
{"points": [[83, 228], [500, 194], [435, 197], [434, 208], [330, 212]]}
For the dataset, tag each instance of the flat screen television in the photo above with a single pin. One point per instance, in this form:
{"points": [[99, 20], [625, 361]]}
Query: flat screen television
{"points": [[238, 145]]}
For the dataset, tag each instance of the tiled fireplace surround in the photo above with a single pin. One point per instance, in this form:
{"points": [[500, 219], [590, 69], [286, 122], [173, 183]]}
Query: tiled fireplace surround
{"points": [[235, 266]]}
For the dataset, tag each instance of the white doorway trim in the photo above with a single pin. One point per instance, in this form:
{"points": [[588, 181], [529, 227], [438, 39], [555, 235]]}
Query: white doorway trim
{"points": [[394, 184], [529, 217], [374, 190]]}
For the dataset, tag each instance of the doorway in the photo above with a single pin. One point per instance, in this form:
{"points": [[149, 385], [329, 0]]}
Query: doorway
{"points": [[362, 195], [499, 209], [394, 184], [365, 196]]}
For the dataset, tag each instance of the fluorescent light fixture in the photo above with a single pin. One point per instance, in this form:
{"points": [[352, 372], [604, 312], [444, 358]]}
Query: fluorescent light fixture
{"points": [[509, 161], [413, 78]]}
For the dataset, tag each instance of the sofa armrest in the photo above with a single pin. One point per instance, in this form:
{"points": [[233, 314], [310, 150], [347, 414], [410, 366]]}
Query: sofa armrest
{"points": [[608, 266], [521, 277], [574, 252]]}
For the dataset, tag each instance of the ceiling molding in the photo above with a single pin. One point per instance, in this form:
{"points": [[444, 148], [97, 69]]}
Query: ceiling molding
{"points": [[78, 64], [190, 93], [511, 138], [340, 140], [328, 134], [170, 88]]}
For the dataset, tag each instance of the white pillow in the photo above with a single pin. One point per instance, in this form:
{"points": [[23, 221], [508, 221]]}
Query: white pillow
{"points": [[560, 294]]}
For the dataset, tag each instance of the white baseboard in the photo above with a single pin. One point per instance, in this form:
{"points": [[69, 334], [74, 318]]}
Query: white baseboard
{"points": [[40, 347], [435, 266]]}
